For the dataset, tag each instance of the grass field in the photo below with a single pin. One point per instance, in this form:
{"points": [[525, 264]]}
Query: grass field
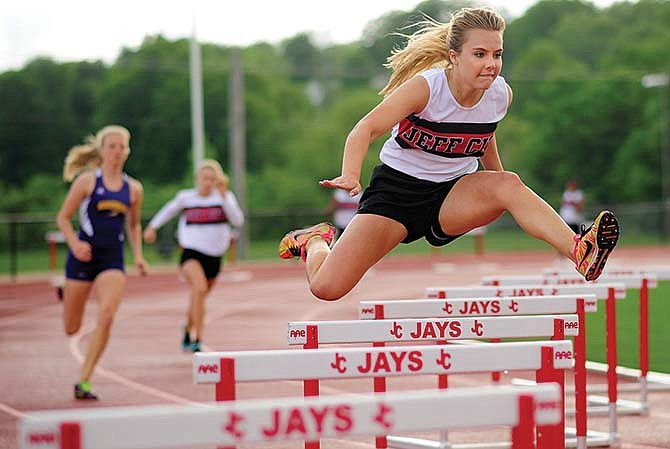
{"points": [[628, 315]]}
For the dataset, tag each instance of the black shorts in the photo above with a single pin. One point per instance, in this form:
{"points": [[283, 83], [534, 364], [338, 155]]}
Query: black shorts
{"points": [[211, 265], [414, 203]]}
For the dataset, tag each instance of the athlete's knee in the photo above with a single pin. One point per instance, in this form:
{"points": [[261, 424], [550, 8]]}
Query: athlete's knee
{"points": [[106, 317], [508, 184], [328, 291], [72, 328], [199, 289]]}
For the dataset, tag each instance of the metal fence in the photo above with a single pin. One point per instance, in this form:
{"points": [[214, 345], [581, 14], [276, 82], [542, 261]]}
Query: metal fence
{"points": [[34, 234]]}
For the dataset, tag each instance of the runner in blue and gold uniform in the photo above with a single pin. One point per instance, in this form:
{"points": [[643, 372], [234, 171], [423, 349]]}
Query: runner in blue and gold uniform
{"points": [[108, 201]]}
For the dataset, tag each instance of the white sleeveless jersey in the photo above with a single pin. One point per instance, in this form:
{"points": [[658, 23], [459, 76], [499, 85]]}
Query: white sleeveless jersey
{"points": [[445, 140], [205, 221]]}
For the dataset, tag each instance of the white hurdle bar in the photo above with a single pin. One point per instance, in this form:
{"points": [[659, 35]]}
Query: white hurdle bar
{"points": [[312, 333], [164, 427], [637, 280], [475, 306], [514, 306], [602, 290], [225, 369]]}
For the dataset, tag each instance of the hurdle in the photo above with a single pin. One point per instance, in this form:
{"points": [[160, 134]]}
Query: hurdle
{"points": [[310, 334], [602, 290], [164, 427], [225, 369], [640, 280], [496, 306]]}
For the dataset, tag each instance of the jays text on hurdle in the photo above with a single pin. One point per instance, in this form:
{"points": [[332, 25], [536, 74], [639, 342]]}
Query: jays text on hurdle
{"points": [[643, 281], [179, 426], [225, 369], [312, 333], [507, 306]]}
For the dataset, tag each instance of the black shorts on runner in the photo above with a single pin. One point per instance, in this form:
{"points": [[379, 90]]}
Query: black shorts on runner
{"points": [[414, 203], [211, 265]]}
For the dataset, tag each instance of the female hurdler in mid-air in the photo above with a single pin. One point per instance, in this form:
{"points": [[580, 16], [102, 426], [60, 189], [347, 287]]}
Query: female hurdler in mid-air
{"points": [[442, 105]]}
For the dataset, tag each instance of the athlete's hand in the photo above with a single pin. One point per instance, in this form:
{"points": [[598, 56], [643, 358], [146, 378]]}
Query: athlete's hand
{"points": [[348, 183], [82, 251], [149, 235], [222, 184], [142, 266]]}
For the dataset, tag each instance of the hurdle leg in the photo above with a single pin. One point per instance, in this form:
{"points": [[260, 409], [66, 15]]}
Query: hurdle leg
{"points": [[311, 386], [610, 319], [225, 387], [379, 383], [523, 434], [70, 435], [443, 383], [580, 378], [552, 437], [495, 375], [380, 387], [644, 345]]}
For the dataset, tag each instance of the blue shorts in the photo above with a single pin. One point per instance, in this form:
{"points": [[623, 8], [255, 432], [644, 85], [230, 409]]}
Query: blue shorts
{"points": [[105, 258]]}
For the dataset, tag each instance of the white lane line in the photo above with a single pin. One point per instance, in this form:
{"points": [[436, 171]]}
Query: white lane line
{"points": [[76, 353], [12, 411]]}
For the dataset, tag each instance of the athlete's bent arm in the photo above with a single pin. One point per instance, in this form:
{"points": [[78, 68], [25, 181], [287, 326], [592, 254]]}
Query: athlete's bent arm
{"points": [[134, 226], [491, 159], [410, 98], [79, 190]]}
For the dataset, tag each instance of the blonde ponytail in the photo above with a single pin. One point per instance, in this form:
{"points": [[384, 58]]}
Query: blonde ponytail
{"points": [[87, 156], [424, 50], [214, 165], [429, 46]]}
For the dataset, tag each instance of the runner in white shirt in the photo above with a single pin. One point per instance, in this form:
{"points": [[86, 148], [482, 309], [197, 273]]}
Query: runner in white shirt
{"points": [[204, 233], [572, 206]]}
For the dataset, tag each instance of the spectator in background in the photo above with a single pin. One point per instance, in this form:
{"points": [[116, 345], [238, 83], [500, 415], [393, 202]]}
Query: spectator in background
{"points": [[572, 206], [107, 200], [342, 209], [204, 233]]}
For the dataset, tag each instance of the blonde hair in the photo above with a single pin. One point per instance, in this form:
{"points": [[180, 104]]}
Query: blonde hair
{"points": [[429, 46], [214, 165], [87, 156]]}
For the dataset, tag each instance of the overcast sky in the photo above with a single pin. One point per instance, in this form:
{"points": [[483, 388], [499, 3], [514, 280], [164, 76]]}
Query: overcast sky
{"points": [[73, 30]]}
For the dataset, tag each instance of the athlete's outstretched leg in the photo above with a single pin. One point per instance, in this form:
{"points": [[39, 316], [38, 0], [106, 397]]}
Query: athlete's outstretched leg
{"points": [[480, 198], [333, 273]]}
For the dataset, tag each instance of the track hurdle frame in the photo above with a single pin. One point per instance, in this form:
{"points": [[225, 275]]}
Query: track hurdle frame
{"points": [[504, 306], [544, 357], [647, 380], [642, 281], [310, 334], [163, 427]]}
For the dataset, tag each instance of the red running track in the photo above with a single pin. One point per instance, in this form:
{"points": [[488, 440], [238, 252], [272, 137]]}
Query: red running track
{"points": [[248, 309]]}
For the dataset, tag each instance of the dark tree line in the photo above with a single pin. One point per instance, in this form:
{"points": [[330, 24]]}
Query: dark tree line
{"points": [[579, 109]]}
